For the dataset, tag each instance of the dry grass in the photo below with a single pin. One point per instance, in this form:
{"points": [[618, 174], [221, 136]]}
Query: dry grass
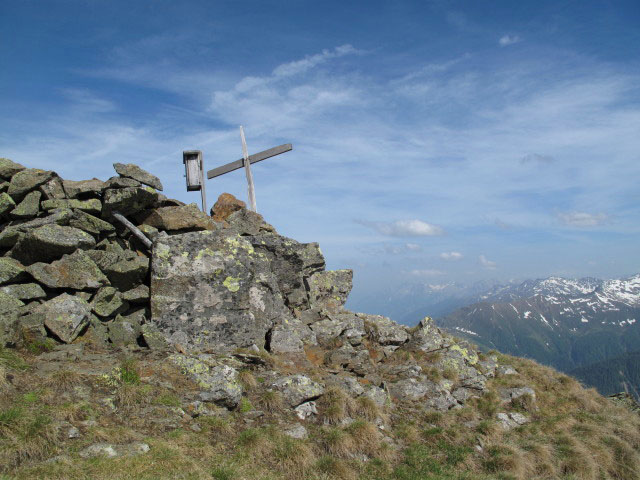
{"points": [[63, 380], [335, 406], [246, 378]]}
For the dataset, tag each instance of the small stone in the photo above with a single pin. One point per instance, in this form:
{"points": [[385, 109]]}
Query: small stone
{"points": [[225, 206], [6, 204], [76, 271], [65, 315], [223, 387], [73, 432], [29, 207], [99, 450], [83, 188], [139, 294], [305, 410], [195, 427], [131, 170], [506, 370], [91, 206], [186, 218], [28, 179], [296, 431], [297, 389], [24, 291], [107, 302], [126, 274], [9, 168]]}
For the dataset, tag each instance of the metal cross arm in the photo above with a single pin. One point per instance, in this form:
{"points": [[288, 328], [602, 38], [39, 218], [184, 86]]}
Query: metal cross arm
{"points": [[256, 157]]}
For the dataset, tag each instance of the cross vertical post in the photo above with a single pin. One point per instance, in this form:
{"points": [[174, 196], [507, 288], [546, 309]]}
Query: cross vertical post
{"points": [[247, 170]]}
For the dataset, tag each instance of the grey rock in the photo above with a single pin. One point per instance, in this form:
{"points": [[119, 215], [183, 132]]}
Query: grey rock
{"points": [[153, 337], [297, 389], [128, 201], [127, 274], [213, 291], [107, 302], [65, 315], [11, 270], [24, 291], [99, 450], [347, 383], [31, 328], [345, 324], [357, 360], [139, 294], [89, 223], [431, 395], [383, 330], [52, 189], [245, 222], [124, 331], [296, 431], [504, 370], [76, 271], [219, 383], [9, 168], [91, 206], [283, 339], [9, 303], [121, 182], [29, 207], [426, 337], [509, 421], [306, 410], [488, 366], [377, 394], [6, 204], [73, 432], [28, 179], [508, 394], [9, 237], [131, 170], [50, 242], [83, 188], [329, 290]]}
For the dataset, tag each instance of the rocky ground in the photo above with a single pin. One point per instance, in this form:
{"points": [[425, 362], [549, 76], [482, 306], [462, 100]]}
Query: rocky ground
{"points": [[224, 351]]}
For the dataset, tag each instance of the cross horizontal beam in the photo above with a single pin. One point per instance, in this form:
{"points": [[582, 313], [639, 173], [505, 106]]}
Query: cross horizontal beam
{"points": [[256, 157]]}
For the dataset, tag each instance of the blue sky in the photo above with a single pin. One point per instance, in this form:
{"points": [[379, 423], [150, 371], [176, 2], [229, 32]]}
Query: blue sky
{"points": [[433, 141]]}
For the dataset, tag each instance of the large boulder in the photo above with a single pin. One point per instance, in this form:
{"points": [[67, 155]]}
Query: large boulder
{"points": [[126, 274], [76, 271], [131, 170], [297, 389], [128, 201], [29, 207], [11, 270], [83, 188], [92, 205], [329, 290], [9, 168], [6, 204], [225, 206], [210, 290], [50, 242]]}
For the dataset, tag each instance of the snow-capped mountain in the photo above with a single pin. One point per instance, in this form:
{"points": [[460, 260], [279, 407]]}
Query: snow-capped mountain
{"points": [[567, 323]]}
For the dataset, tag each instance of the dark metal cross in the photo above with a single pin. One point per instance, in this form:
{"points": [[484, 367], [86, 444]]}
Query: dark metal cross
{"points": [[246, 162]]}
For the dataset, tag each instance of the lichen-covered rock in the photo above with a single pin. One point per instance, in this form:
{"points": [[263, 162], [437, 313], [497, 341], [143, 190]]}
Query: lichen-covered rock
{"points": [[83, 188], [131, 170], [296, 389], [511, 420], [383, 330], [65, 316], [377, 394], [346, 325], [29, 207], [9, 168], [121, 182], [126, 274], [89, 223], [188, 217], [108, 302], [139, 294], [24, 291], [28, 179], [50, 242], [9, 303], [124, 331], [11, 270], [347, 383], [426, 337], [9, 328], [245, 222], [128, 201], [76, 271], [329, 290], [430, 394], [153, 338], [6, 204], [290, 337], [209, 290], [91, 206]]}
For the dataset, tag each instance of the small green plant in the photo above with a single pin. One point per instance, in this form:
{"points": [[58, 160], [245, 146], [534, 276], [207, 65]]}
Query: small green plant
{"points": [[36, 347], [167, 399], [245, 405], [128, 372], [223, 473], [10, 415]]}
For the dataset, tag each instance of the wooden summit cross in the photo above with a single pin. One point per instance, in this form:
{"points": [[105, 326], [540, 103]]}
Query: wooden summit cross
{"points": [[246, 161]]}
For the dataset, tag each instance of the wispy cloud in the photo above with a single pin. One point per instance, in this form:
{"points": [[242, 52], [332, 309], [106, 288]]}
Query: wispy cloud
{"points": [[486, 263], [404, 228], [537, 158], [506, 40], [426, 272], [451, 255], [583, 219]]}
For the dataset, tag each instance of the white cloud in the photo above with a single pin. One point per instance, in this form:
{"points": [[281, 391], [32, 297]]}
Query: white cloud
{"points": [[451, 255], [583, 219], [311, 61], [426, 273], [404, 228], [506, 40], [414, 247], [487, 263], [537, 158]]}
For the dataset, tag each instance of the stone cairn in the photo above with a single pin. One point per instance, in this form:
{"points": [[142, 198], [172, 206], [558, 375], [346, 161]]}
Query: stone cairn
{"points": [[209, 288]]}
